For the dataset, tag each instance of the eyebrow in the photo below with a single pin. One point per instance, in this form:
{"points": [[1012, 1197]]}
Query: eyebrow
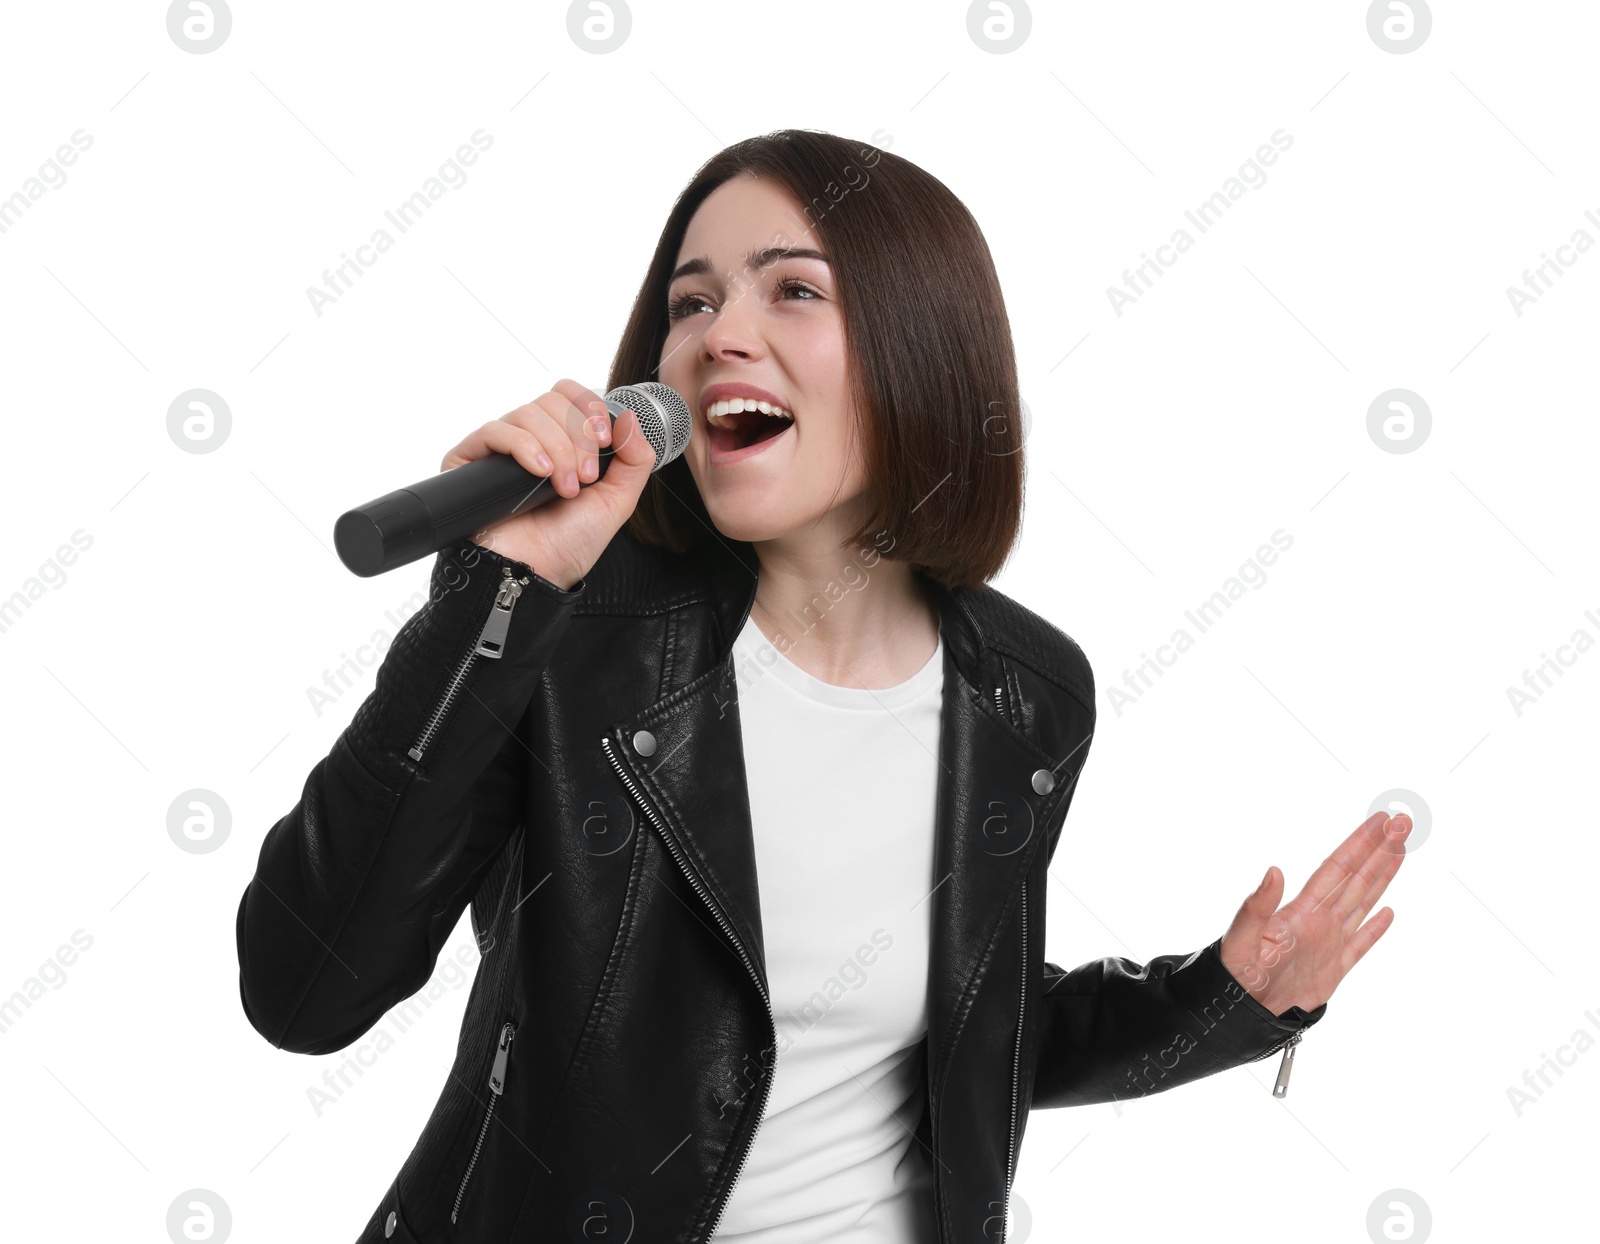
{"points": [[763, 258]]}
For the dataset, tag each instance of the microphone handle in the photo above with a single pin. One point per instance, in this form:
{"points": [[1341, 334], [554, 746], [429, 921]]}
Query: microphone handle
{"points": [[409, 523]]}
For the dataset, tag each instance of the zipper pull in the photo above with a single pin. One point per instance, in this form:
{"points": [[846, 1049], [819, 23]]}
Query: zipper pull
{"points": [[492, 640], [1280, 1086], [497, 1074]]}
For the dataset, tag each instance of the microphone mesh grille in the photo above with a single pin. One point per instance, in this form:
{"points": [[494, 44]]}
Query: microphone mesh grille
{"points": [[664, 416]]}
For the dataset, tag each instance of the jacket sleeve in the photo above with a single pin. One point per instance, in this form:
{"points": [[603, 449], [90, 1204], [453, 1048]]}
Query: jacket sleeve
{"points": [[357, 888], [1114, 1029]]}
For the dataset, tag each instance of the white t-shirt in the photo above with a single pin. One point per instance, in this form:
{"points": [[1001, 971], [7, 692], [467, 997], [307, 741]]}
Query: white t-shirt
{"points": [[843, 784]]}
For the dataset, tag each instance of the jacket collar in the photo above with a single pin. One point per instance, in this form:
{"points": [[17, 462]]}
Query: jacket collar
{"points": [[990, 815]]}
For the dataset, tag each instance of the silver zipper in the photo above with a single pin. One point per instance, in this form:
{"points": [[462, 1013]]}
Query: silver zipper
{"points": [[1280, 1086], [1016, 1064], [491, 643], [1022, 1004], [497, 1086], [766, 1080]]}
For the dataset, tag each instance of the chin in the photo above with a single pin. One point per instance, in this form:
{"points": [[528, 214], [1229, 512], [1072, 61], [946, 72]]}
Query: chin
{"points": [[749, 523]]}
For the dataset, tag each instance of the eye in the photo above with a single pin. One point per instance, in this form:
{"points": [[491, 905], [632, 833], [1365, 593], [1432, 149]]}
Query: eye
{"points": [[678, 307], [801, 286]]}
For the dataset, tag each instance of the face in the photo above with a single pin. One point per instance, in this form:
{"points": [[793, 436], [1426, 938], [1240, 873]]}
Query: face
{"points": [[742, 329]]}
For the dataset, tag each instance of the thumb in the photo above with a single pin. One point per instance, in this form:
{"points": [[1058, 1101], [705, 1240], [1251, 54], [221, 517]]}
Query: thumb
{"points": [[1257, 908], [1263, 900], [632, 460], [630, 447]]}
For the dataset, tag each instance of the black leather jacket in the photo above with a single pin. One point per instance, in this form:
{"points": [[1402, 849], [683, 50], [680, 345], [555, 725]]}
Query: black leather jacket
{"points": [[570, 764]]}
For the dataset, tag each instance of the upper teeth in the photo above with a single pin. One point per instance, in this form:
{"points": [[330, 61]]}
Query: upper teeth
{"points": [[738, 405]]}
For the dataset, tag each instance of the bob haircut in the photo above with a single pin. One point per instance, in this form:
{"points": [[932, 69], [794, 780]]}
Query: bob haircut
{"points": [[927, 340]]}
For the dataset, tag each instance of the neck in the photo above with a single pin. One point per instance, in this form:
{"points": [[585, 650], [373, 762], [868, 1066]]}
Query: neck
{"points": [[850, 617]]}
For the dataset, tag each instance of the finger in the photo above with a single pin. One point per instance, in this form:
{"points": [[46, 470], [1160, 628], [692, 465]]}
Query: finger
{"points": [[581, 406], [1250, 920], [587, 426], [499, 437], [596, 433], [1366, 936], [581, 397], [556, 422], [468, 449], [1264, 898], [520, 443], [632, 448], [474, 445], [1374, 875], [1394, 834], [632, 460], [1379, 865], [1337, 869]]}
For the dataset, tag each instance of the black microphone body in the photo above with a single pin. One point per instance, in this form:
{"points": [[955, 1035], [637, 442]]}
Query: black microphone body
{"points": [[410, 523]]}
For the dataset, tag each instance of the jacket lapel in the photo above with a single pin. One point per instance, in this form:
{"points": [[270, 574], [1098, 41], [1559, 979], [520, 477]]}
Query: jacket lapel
{"points": [[695, 784], [990, 818], [998, 792]]}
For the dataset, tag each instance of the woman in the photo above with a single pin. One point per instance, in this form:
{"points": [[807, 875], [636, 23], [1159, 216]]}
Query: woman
{"points": [[754, 806]]}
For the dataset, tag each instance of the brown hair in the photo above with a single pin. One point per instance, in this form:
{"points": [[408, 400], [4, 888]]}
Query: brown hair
{"points": [[932, 364]]}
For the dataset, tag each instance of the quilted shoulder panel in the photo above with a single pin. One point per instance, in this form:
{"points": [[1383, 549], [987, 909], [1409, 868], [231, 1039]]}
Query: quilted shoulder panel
{"points": [[1023, 635]]}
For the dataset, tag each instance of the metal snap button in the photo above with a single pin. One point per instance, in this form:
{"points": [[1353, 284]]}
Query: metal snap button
{"points": [[388, 1226], [644, 743], [1043, 781]]}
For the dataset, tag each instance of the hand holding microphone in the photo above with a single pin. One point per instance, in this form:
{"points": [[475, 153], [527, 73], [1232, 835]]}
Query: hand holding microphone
{"points": [[593, 454], [560, 435]]}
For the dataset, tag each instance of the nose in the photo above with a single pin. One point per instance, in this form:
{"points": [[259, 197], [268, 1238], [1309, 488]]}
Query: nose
{"points": [[732, 332]]}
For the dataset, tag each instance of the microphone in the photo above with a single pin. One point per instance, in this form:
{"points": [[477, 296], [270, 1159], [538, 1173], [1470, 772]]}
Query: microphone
{"points": [[408, 523]]}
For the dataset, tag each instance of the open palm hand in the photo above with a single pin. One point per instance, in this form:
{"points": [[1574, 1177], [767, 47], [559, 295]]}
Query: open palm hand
{"points": [[1297, 955]]}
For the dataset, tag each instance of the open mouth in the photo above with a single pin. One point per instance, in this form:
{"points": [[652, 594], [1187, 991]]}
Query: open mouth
{"points": [[742, 429]]}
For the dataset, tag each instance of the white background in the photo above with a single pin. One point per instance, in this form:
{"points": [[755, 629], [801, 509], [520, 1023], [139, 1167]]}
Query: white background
{"points": [[1169, 442]]}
